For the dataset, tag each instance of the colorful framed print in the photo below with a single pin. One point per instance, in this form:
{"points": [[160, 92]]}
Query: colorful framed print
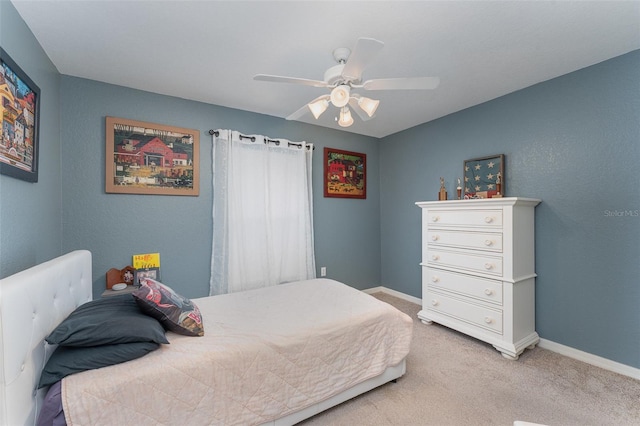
{"points": [[20, 112], [345, 174], [148, 158]]}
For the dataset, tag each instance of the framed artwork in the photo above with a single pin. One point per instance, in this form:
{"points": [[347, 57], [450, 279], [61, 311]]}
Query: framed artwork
{"points": [[484, 177], [20, 111], [148, 158], [140, 274], [345, 174]]}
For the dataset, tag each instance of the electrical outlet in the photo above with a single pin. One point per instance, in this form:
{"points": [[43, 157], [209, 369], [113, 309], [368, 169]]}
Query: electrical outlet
{"points": [[323, 271]]}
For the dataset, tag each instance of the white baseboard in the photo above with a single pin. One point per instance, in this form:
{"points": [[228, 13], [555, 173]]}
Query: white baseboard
{"points": [[394, 293], [567, 351], [598, 361]]}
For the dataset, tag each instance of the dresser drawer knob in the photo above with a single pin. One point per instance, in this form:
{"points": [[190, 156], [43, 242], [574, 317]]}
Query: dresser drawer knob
{"points": [[488, 219], [434, 302], [488, 291], [488, 243], [435, 279], [488, 266], [435, 218], [434, 238], [435, 257], [488, 320]]}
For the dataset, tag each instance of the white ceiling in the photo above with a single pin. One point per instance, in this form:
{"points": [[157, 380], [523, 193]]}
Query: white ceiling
{"points": [[209, 51]]}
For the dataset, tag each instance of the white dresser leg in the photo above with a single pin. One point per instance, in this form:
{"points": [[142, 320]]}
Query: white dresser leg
{"points": [[510, 357]]}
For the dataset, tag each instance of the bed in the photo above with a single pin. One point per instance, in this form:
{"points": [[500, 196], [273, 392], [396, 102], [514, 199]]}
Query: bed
{"points": [[270, 356]]}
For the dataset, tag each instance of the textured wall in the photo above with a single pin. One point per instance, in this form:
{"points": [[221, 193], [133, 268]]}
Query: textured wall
{"points": [[574, 143], [115, 226], [571, 141], [30, 213]]}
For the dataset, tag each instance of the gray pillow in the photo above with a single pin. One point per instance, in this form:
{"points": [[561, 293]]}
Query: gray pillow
{"points": [[107, 321], [66, 360]]}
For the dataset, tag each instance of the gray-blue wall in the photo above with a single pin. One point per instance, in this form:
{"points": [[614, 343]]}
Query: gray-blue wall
{"points": [[116, 226], [573, 142], [30, 213]]}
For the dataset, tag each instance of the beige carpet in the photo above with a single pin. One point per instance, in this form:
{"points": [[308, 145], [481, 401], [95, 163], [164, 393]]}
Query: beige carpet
{"points": [[453, 379]]}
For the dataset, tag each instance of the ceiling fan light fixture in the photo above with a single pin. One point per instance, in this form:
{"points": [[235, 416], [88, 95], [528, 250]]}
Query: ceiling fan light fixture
{"points": [[345, 118], [368, 105], [340, 95], [318, 107]]}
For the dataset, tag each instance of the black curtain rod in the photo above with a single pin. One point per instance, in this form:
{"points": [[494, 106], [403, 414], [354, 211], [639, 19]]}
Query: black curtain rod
{"points": [[266, 140]]}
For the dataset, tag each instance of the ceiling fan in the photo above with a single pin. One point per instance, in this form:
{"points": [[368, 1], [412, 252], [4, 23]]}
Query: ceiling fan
{"points": [[345, 77]]}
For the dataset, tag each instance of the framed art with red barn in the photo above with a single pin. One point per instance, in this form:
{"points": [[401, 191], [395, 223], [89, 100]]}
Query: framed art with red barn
{"points": [[345, 174], [148, 158]]}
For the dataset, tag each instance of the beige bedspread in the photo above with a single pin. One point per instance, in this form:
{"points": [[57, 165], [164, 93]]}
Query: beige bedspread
{"points": [[266, 353]]}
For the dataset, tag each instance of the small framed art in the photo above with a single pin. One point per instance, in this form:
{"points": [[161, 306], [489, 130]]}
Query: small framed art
{"points": [[140, 274], [20, 115], [484, 177], [345, 174]]}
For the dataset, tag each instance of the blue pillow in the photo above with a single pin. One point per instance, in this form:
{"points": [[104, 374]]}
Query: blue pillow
{"points": [[66, 360], [107, 321]]}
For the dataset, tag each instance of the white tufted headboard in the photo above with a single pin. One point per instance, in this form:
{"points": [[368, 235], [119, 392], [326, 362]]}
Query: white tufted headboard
{"points": [[32, 303]]}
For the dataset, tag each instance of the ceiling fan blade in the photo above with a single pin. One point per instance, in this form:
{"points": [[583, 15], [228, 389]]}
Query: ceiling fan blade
{"points": [[417, 83], [294, 80], [353, 103], [299, 113], [366, 49], [305, 109]]}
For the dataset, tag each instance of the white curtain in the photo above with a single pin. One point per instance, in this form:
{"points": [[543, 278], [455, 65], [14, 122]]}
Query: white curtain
{"points": [[262, 212]]}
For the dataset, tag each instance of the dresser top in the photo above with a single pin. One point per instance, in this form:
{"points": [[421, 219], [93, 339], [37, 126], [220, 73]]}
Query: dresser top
{"points": [[481, 202]]}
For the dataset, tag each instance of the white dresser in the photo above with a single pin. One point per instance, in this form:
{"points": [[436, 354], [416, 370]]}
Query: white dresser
{"points": [[478, 270]]}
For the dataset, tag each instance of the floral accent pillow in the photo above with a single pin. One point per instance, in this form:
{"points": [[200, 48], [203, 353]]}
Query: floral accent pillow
{"points": [[175, 312]]}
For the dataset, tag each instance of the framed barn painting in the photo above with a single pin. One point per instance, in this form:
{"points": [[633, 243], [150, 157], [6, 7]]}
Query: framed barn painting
{"points": [[148, 158], [20, 114], [345, 174]]}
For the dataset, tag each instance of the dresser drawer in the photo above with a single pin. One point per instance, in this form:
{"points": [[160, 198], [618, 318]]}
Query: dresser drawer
{"points": [[487, 318], [491, 265], [472, 218], [471, 240], [479, 288]]}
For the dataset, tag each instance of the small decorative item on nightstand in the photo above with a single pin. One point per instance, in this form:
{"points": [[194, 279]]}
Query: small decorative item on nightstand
{"points": [[140, 274], [146, 265], [119, 281], [115, 276], [442, 195]]}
